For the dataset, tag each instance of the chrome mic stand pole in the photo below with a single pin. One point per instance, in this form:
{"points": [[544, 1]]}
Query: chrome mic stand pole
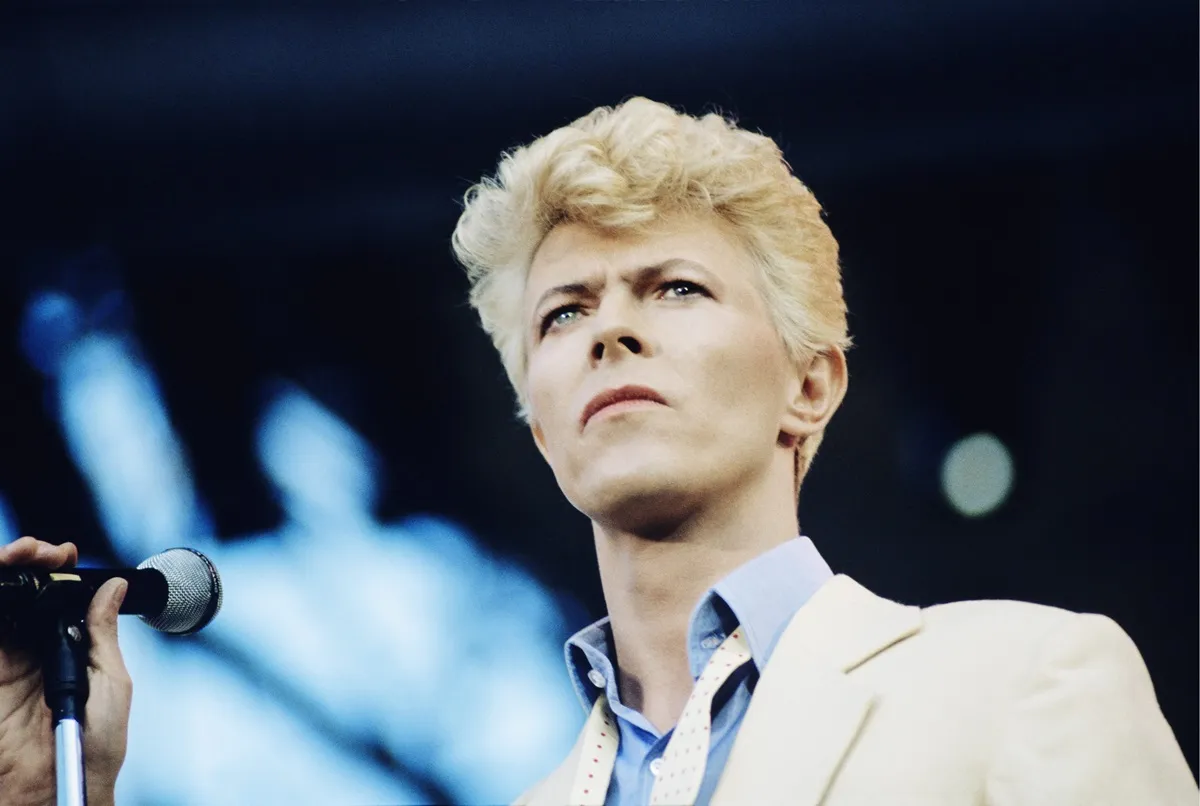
{"points": [[68, 761]]}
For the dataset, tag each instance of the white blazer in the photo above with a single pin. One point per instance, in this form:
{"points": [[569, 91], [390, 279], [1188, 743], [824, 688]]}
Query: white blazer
{"points": [[867, 702]]}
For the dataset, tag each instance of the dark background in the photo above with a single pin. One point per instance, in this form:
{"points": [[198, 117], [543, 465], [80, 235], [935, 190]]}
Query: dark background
{"points": [[1013, 185]]}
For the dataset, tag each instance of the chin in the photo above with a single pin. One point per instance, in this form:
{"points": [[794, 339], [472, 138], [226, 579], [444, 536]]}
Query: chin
{"points": [[646, 500]]}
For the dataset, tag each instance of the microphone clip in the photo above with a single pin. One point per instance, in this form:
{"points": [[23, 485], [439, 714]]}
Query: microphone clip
{"points": [[58, 630]]}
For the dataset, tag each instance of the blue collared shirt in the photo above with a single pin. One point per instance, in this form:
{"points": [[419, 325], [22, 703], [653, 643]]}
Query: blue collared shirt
{"points": [[762, 596]]}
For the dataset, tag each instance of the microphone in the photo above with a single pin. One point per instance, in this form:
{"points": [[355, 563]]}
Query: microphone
{"points": [[177, 591]]}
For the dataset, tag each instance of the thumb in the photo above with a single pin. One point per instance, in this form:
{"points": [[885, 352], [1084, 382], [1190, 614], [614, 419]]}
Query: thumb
{"points": [[102, 627]]}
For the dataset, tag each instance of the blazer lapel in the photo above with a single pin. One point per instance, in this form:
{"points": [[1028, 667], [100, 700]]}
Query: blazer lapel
{"points": [[806, 710], [555, 789]]}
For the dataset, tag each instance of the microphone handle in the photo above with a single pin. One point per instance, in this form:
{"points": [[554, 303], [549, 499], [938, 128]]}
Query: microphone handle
{"points": [[146, 596], [147, 593]]}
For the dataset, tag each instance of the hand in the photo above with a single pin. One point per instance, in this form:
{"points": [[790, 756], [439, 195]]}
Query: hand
{"points": [[26, 732]]}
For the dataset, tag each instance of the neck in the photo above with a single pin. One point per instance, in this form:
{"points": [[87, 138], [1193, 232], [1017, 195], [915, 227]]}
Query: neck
{"points": [[652, 584]]}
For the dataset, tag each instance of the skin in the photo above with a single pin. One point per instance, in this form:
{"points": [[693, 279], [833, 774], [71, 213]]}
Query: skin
{"points": [[26, 737], [681, 494]]}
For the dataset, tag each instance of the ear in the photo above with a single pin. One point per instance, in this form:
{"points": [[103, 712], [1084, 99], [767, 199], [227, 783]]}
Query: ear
{"points": [[814, 394], [539, 439]]}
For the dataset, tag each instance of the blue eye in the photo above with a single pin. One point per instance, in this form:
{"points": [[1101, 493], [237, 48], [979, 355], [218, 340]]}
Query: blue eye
{"points": [[683, 288], [558, 316]]}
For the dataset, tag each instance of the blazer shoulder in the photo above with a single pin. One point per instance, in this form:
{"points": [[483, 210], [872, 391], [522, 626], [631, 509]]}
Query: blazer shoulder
{"points": [[1020, 635], [1003, 636], [999, 619]]}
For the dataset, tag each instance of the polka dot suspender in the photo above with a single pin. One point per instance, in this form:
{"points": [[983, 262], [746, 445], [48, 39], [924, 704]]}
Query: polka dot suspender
{"points": [[686, 756], [597, 757]]}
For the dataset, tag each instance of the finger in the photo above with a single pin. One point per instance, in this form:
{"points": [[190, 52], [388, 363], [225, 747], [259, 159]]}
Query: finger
{"points": [[102, 628], [48, 555], [69, 554], [31, 551], [18, 551]]}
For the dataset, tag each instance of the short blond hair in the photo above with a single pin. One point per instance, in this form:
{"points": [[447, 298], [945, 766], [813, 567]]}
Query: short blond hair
{"points": [[622, 169]]}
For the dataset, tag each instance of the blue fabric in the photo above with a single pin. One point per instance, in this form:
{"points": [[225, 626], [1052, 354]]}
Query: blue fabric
{"points": [[762, 596]]}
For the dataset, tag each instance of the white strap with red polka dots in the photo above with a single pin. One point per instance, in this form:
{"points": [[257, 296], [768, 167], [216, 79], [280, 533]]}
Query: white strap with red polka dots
{"points": [[597, 757], [686, 756]]}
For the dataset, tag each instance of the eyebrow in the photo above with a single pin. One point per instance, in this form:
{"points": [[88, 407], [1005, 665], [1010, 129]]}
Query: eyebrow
{"points": [[642, 275]]}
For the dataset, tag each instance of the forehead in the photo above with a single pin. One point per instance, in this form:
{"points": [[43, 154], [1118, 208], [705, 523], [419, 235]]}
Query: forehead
{"points": [[572, 252]]}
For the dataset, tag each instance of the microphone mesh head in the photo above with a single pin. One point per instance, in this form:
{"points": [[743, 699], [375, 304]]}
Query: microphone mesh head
{"points": [[193, 591]]}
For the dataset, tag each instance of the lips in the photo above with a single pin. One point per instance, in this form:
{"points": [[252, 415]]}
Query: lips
{"points": [[610, 396]]}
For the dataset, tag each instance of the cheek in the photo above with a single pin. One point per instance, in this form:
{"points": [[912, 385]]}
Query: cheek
{"points": [[548, 393], [745, 374]]}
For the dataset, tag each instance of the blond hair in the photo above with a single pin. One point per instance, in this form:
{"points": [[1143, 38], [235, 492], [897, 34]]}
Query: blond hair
{"points": [[622, 169]]}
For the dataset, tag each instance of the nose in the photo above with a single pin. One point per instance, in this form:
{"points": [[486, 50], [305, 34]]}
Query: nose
{"points": [[617, 334], [613, 345]]}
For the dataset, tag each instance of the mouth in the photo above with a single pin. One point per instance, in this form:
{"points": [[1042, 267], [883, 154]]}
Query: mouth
{"points": [[624, 394]]}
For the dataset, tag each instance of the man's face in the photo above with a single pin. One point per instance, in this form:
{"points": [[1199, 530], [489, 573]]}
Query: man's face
{"points": [[677, 313]]}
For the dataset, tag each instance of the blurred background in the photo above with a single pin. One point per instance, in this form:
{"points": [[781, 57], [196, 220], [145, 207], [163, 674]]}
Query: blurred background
{"points": [[229, 319]]}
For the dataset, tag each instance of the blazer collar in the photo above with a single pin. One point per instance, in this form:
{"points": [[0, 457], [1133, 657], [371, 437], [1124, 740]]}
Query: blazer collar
{"points": [[806, 710]]}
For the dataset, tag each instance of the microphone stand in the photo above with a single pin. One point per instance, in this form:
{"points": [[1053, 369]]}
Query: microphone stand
{"points": [[61, 634]]}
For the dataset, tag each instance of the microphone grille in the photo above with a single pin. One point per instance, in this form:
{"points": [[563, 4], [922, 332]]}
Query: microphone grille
{"points": [[193, 591]]}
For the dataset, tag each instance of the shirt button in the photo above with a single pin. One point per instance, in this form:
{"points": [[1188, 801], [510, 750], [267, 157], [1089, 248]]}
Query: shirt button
{"points": [[711, 642], [656, 767], [596, 678]]}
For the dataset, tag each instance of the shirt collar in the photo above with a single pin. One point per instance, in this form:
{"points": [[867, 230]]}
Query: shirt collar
{"points": [[761, 596]]}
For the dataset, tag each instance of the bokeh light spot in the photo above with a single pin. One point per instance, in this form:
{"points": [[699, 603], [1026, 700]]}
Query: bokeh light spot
{"points": [[977, 475]]}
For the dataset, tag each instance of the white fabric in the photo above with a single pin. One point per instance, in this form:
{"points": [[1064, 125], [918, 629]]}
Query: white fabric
{"points": [[597, 758]]}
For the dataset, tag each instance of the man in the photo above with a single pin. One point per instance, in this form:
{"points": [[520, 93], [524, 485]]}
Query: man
{"points": [[667, 303], [666, 300]]}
